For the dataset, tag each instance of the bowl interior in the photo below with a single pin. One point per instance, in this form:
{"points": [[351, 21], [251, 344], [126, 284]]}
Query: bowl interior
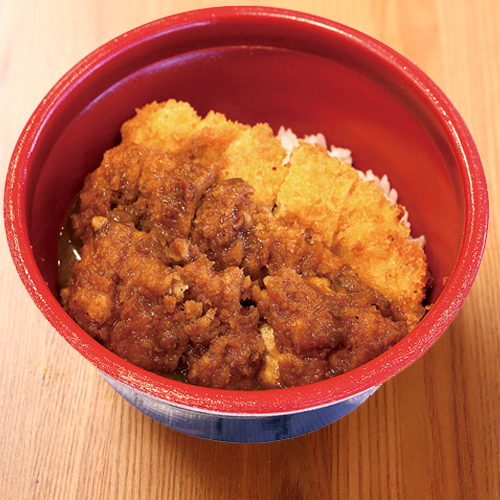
{"points": [[270, 68]]}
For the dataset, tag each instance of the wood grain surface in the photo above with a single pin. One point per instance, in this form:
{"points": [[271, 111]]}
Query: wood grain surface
{"points": [[432, 432]]}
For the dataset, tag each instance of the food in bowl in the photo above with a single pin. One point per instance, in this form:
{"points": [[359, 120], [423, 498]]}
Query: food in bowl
{"points": [[222, 255]]}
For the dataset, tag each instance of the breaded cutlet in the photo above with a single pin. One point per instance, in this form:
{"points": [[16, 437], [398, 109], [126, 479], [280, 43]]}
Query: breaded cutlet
{"points": [[317, 191], [354, 218], [256, 156], [253, 154], [372, 238], [314, 190]]}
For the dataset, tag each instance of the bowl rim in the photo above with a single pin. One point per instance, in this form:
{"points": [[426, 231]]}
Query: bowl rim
{"points": [[275, 401]]}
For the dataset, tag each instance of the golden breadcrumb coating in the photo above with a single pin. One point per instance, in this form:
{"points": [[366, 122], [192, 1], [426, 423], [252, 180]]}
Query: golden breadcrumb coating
{"points": [[314, 190], [176, 128], [256, 156], [253, 154], [372, 239], [166, 126]]}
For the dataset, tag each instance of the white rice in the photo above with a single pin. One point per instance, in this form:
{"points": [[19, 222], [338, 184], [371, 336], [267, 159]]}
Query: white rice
{"points": [[289, 141]]}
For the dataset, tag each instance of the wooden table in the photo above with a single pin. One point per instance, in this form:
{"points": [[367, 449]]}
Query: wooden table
{"points": [[432, 432]]}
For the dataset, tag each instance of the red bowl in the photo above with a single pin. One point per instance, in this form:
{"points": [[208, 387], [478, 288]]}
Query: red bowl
{"points": [[255, 65]]}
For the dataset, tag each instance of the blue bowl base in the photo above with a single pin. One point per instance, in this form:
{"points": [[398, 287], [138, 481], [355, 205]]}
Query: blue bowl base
{"points": [[238, 428]]}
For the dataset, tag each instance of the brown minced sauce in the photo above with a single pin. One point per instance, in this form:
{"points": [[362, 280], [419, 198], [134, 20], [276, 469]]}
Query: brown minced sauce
{"points": [[183, 274]]}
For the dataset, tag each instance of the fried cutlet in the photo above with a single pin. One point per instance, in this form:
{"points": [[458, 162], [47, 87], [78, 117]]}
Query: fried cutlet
{"points": [[215, 251], [234, 150], [168, 125], [314, 190], [356, 220], [256, 156], [372, 238]]}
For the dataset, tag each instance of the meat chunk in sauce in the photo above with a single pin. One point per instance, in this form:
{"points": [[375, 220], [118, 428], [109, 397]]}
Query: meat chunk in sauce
{"points": [[146, 188]]}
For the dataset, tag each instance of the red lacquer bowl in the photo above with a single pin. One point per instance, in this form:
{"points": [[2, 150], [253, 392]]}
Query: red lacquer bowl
{"points": [[255, 65]]}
